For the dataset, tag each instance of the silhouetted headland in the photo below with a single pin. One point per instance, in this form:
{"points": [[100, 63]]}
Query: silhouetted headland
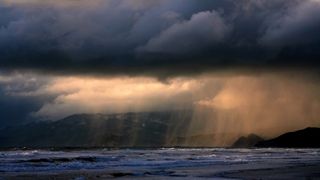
{"points": [[246, 142], [306, 138]]}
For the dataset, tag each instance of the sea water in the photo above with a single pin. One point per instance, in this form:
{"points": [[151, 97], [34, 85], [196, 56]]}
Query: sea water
{"points": [[161, 161]]}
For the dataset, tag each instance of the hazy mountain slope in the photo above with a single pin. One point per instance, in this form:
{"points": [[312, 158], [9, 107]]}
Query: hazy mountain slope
{"points": [[88, 130]]}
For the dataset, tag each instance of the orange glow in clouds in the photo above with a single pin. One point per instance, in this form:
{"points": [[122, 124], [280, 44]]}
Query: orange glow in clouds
{"points": [[268, 104], [112, 95]]}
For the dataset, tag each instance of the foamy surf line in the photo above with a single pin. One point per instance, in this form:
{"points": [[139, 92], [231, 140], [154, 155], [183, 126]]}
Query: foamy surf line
{"points": [[167, 162]]}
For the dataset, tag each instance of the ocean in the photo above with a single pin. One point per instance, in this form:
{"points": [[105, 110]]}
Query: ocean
{"points": [[192, 163]]}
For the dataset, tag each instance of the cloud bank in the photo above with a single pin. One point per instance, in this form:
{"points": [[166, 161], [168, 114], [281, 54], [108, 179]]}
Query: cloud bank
{"points": [[159, 37]]}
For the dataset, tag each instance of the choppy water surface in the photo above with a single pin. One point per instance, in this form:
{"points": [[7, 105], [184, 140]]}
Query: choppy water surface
{"points": [[150, 160]]}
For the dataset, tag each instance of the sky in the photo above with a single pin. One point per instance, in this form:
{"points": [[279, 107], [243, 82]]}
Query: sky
{"points": [[255, 62]]}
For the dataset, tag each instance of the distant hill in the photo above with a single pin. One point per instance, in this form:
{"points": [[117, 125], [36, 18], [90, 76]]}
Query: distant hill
{"points": [[96, 130], [154, 129], [306, 138], [246, 142], [145, 129]]}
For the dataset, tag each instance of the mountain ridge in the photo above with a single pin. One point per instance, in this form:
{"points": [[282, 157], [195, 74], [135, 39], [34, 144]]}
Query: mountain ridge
{"points": [[153, 129]]}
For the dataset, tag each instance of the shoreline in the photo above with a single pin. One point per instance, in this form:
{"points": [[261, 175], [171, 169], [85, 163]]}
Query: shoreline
{"points": [[211, 163], [238, 171], [311, 171]]}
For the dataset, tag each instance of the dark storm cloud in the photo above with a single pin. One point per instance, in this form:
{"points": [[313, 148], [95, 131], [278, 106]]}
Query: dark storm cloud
{"points": [[157, 38], [202, 30], [16, 110], [17, 100]]}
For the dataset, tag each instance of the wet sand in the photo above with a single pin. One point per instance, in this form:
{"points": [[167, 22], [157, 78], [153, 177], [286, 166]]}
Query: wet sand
{"points": [[292, 172], [240, 171]]}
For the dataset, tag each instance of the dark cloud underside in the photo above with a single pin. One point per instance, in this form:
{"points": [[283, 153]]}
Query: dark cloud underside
{"points": [[159, 37]]}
